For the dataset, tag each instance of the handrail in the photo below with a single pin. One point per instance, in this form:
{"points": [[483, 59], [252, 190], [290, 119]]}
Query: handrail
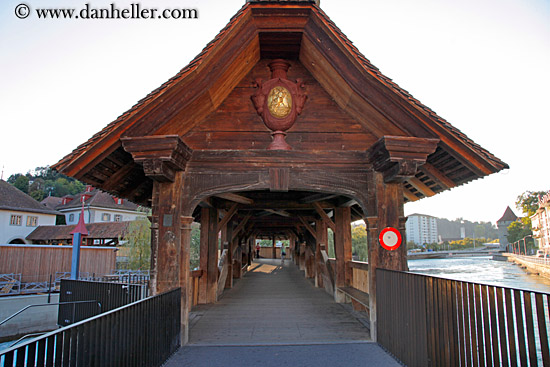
{"points": [[25, 337], [146, 332], [47, 304]]}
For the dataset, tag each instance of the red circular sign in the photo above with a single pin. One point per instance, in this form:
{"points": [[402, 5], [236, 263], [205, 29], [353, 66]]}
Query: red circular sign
{"points": [[390, 238]]}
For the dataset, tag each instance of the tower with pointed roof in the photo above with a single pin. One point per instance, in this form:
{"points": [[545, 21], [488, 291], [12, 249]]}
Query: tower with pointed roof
{"points": [[502, 224]]}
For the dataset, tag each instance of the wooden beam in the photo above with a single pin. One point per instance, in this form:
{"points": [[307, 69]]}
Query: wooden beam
{"points": [[324, 216], [240, 226], [420, 186], [114, 181], [409, 195], [308, 227], [206, 203], [437, 176], [317, 197], [227, 217], [236, 198], [282, 213]]}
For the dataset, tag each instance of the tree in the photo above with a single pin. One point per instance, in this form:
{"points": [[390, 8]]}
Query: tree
{"points": [[528, 202], [139, 244], [518, 230], [195, 245], [22, 183], [359, 242]]}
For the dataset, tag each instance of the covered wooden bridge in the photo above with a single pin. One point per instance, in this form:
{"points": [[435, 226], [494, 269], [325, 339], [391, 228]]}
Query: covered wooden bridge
{"points": [[280, 128]]}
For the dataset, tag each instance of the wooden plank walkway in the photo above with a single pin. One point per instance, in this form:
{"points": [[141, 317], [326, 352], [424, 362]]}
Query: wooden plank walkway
{"points": [[275, 311]]}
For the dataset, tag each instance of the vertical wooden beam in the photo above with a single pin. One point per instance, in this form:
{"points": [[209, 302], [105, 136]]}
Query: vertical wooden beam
{"points": [[168, 242], [384, 209], [342, 248], [237, 270], [212, 258], [154, 237], [227, 234], [274, 249], [322, 240], [203, 282], [184, 278]]}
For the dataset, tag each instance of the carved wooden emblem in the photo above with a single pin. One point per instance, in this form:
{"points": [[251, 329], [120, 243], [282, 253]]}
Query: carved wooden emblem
{"points": [[279, 101]]}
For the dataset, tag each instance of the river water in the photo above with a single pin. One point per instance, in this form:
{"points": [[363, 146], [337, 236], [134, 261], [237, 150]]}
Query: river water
{"points": [[483, 270]]}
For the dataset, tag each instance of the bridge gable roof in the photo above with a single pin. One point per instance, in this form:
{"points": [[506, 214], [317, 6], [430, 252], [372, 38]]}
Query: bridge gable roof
{"points": [[312, 39]]}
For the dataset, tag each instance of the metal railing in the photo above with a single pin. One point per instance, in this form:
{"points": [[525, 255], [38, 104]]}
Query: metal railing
{"points": [[143, 333], [429, 321], [109, 295], [532, 259]]}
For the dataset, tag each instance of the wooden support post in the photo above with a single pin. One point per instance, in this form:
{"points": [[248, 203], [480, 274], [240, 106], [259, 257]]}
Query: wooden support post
{"points": [[166, 242], [185, 279], [274, 249], [394, 159], [385, 209], [227, 234], [303, 256], [322, 240], [237, 271], [342, 248], [209, 256]]}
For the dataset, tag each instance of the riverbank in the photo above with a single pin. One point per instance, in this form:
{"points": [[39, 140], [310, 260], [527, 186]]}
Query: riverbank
{"points": [[482, 270], [531, 264]]}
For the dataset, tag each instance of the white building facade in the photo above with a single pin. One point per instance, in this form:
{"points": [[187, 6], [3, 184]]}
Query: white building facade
{"points": [[98, 207], [540, 223], [422, 229], [20, 214]]}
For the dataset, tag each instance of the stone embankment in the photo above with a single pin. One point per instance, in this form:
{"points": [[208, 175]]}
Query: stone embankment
{"points": [[532, 264]]}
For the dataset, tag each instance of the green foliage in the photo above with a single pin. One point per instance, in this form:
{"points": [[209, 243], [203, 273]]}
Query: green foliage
{"points": [[528, 202], [330, 246], [264, 243], [195, 245], [452, 228], [43, 181], [139, 244], [359, 242], [22, 183], [518, 230]]}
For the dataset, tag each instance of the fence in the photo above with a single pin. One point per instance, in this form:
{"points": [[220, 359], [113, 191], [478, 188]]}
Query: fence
{"points": [[109, 296], [37, 262], [143, 333], [429, 321]]}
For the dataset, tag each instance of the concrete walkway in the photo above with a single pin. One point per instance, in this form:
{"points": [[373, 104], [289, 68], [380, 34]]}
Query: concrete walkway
{"points": [[274, 316]]}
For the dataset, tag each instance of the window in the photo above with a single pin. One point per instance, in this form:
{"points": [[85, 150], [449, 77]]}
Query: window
{"points": [[32, 221], [106, 217], [71, 218], [118, 217], [15, 220]]}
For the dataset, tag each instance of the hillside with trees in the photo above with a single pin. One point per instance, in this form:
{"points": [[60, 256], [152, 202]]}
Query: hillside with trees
{"points": [[43, 181]]}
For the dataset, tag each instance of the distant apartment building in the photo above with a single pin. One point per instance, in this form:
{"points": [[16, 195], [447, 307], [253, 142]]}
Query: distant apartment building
{"points": [[422, 229], [540, 222]]}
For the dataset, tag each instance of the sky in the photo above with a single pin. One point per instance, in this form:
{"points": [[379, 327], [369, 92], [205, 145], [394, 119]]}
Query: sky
{"points": [[483, 65]]}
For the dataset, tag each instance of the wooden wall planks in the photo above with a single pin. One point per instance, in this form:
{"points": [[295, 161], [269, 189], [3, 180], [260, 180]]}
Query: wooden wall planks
{"points": [[323, 125], [36, 263]]}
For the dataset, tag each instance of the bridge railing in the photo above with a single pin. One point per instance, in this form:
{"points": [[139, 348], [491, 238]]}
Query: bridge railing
{"points": [[143, 333], [429, 321]]}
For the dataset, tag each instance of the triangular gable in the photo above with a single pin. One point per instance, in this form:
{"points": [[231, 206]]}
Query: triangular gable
{"points": [[254, 33]]}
